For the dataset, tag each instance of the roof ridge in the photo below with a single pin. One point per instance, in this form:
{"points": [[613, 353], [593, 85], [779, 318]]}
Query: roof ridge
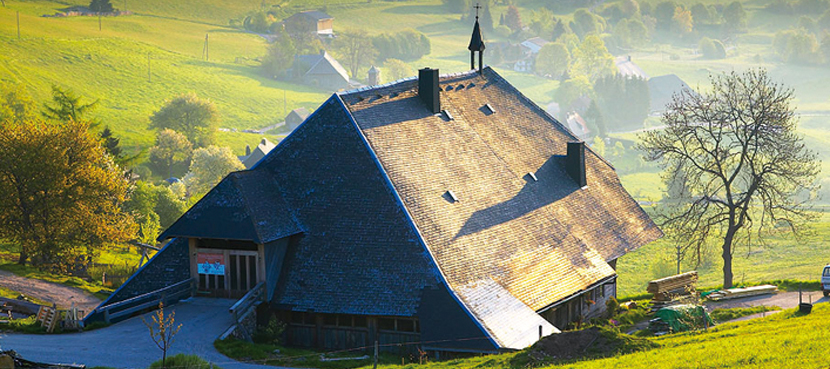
{"points": [[544, 113], [238, 186]]}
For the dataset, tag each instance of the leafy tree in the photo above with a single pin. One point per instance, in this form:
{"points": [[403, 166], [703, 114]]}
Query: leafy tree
{"points": [[797, 47], [408, 44], [570, 90], [141, 203], [280, 55], [513, 19], [682, 23], [169, 205], [703, 14], [258, 22], [457, 6], [356, 50], [734, 16], [631, 33], [586, 23], [742, 159], [171, 154], [15, 103], [598, 145], [711, 49], [66, 106], [163, 330], [208, 167], [823, 22], [194, 117], [664, 13], [553, 59], [395, 69], [101, 6], [542, 23], [592, 59], [59, 193]]}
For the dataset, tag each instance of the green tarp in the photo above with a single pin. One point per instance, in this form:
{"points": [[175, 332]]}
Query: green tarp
{"points": [[682, 318]]}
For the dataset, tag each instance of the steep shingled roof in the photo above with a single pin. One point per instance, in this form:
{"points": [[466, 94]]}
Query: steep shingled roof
{"points": [[243, 206], [541, 241]]}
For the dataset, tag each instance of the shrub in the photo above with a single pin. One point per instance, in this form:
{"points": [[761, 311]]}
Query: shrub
{"points": [[182, 361], [712, 49], [270, 333]]}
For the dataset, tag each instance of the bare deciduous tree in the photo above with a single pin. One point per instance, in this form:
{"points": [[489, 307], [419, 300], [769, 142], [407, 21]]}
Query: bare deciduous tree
{"points": [[745, 167], [162, 330]]}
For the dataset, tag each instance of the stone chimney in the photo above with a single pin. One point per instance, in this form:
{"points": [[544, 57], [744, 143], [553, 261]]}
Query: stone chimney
{"points": [[575, 162], [428, 89]]}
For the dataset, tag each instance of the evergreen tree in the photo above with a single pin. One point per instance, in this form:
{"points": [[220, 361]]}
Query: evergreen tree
{"points": [[486, 19], [111, 143], [595, 122], [513, 19]]}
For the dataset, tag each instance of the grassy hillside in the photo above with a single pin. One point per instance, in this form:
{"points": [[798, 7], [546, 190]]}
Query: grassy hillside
{"points": [[798, 341], [112, 65]]}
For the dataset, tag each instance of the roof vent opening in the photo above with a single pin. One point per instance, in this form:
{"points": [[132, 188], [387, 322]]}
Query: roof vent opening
{"points": [[531, 177], [450, 196], [428, 89], [447, 114], [487, 109], [575, 162]]}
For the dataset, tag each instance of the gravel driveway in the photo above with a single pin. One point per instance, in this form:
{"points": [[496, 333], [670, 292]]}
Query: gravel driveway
{"points": [[55, 293], [127, 344]]}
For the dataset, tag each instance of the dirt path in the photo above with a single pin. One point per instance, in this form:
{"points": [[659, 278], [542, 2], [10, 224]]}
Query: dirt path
{"points": [[55, 293]]}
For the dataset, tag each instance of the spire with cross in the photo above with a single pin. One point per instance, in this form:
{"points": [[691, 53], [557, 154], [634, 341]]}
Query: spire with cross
{"points": [[476, 44]]}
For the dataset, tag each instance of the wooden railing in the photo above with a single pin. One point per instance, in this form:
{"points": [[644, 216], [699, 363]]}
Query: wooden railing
{"points": [[254, 297], [147, 300], [242, 308]]}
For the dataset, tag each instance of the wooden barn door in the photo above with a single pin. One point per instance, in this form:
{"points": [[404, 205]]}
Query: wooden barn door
{"points": [[242, 272]]}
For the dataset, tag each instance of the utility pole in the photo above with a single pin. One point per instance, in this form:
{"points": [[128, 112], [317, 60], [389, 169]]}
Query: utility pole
{"points": [[206, 48], [149, 79], [18, 25], [99, 21]]}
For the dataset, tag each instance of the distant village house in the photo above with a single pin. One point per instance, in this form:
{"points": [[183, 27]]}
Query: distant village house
{"points": [[311, 21]]}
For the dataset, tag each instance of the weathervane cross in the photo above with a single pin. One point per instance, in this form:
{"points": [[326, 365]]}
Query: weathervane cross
{"points": [[477, 7]]}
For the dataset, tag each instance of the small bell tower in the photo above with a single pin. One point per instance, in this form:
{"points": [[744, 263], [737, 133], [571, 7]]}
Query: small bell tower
{"points": [[476, 44]]}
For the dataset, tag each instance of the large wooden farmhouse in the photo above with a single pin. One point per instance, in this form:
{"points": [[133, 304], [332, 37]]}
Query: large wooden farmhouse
{"points": [[448, 211]]}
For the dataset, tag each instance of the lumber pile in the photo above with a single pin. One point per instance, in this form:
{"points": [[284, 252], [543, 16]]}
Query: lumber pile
{"points": [[672, 290], [735, 293]]}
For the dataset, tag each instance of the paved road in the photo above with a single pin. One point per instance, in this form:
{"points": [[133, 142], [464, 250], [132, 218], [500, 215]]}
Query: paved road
{"points": [[127, 344], [784, 300], [55, 293]]}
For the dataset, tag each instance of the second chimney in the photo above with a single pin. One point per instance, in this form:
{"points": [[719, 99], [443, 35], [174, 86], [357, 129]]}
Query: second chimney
{"points": [[428, 89], [575, 162]]}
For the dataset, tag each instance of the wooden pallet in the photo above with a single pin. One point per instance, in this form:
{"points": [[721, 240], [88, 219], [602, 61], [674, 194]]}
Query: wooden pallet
{"points": [[48, 317]]}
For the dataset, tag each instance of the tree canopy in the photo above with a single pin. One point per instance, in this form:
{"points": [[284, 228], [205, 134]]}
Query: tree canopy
{"points": [[189, 115], [742, 163], [171, 155], [208, 166], [60, 193]]}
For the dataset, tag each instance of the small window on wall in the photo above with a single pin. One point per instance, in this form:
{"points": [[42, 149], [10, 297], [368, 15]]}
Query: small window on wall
{"points": [[406, 325], [360, 321], [386, 324]]}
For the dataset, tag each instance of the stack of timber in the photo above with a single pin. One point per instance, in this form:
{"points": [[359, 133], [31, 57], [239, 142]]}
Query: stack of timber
{"points": [[735, 293], [672, 290]]}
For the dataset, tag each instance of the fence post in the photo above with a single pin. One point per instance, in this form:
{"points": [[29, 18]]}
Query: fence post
{"points": [[376, 355]]}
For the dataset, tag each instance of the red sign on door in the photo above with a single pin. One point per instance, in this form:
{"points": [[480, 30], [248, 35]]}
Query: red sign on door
{"points": [[213, 264]]}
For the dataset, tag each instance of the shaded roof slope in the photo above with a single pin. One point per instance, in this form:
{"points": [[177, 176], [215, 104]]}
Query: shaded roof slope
{"points": [[358, 254], [322, 64], [539, 240], [243, 206], [662, 89]]}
